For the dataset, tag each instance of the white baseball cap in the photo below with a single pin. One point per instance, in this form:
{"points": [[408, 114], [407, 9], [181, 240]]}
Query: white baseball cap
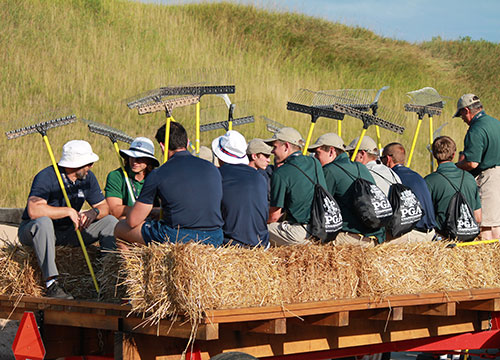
{"points": [[328, 139], [141, 147], [231, 148], [77, 153], [367, 144]]}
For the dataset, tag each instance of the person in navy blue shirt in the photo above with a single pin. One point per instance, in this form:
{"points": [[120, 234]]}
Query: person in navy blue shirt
{"points": [[47, 221], [190, 191], [245, 207], [394, 156]]}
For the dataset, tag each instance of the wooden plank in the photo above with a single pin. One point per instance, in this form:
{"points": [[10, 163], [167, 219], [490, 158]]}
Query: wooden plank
{"points": [[166, 328], [275, 326], [340, 318], [392, 314], [77, 320], [481, 305], [446, 309]]}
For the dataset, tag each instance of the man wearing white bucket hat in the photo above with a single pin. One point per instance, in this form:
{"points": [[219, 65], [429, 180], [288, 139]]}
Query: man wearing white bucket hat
{"points": [[139, 162], [190, 190], [244, 193], [48, 222]]}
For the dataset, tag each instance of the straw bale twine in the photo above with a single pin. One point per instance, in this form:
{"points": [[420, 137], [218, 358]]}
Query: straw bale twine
{"points": [[317, 272], [18, 272]]}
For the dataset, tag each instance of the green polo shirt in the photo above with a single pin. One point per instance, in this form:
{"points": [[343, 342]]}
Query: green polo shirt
{"points": [[442, 191], [292, 191], [482, 142], [338, 183], [117, 187]]}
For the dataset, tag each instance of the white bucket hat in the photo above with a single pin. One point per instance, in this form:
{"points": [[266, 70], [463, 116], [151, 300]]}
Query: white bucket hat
{"points": [[231, 148], [77, 153], [141, 147]]}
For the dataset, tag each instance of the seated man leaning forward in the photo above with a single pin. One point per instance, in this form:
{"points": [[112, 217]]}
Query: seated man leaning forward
{"points": [[48, 222], [190, 190], [139, 162], [244, 201], [291, 191]]}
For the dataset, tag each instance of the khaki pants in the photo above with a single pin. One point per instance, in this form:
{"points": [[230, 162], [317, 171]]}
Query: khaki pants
{"points": [[284, 233], [489, 192], [412, 236], [346, 238]]}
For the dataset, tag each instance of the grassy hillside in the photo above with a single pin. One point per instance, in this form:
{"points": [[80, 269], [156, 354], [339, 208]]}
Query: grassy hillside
{"points": [[88, 56]]}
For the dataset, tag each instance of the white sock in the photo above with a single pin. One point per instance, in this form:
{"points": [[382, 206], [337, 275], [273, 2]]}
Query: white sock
{"points": [[49, 282], [443, 357]]}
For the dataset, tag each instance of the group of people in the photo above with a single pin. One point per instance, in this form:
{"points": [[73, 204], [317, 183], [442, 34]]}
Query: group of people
{"points": [[246, 201]]}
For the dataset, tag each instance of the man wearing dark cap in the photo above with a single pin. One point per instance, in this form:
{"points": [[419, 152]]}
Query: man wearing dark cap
{"points": [[481, 157], [245, 207], [291, 191], [340, 174]]}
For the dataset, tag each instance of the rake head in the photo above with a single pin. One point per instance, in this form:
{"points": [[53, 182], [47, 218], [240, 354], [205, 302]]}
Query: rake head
{"points": [[41, 127], [271, 125], [167, 105], [210, 113], [425, 101], [105, 130]]}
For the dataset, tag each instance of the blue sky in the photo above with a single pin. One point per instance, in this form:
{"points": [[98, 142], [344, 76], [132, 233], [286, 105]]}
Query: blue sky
{"points": [[411, 20]]}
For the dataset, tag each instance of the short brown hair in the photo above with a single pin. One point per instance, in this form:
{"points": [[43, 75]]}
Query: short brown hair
{"points": [[444, 148], [396, 151]]}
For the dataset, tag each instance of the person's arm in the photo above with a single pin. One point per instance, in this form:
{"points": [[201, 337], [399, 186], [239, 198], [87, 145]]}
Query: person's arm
{"points": [[274, 214], [38, 207], [478, 215], [467, 165], [89, 216], [138, 214], [116, 207]]}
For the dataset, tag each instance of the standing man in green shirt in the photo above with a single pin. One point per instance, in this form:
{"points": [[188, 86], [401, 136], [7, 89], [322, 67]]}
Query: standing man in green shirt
{"points": [[443, 149], [139, 162], [291, 191], [340, 172], [481, 157]]}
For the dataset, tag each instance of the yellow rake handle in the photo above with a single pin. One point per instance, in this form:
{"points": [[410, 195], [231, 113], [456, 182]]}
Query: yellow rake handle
{"points": [[414, 142], [479, 242], [68, 204], [308, 140], [379, 142], [167, 137], [127, 180], [430, 143], [363, 132], [339, 128], [197, 140]]}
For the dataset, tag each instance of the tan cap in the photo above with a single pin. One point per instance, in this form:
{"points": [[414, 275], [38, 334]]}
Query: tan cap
{"points": [[287, 134], [466, 101], [328, 139], [367, 144], [258, 146]]}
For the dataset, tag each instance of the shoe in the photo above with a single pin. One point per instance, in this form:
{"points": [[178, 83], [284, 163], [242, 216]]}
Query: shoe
{"points": [[55, 291]]}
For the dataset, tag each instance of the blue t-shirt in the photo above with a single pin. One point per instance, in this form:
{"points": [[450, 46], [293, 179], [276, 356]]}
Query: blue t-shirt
{"points": [[46, 186], [245, 208], [419, 187], [190, 190]]}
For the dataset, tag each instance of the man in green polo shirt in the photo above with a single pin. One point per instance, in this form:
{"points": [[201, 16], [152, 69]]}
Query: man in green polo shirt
{"points": [[291, 191], [329, 149], [481, 157], [139, 161], [443, 149]]}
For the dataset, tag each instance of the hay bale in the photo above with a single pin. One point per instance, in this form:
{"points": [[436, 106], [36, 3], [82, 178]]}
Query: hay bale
{"points": [[110, 278], [18, 274], [317, 272]]}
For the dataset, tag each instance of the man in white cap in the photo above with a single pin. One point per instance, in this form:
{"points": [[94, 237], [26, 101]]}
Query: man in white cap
{"points": [[481, 157], [259, 157], [48, 222], [245, 207], [190, 190], [340, 174], [368, 154], [291, 191], [139, 162]]}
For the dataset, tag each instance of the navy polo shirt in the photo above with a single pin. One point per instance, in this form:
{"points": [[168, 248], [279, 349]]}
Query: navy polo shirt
{"points": [[245, 208], [190, 190], [46, 186], [419, 187]]}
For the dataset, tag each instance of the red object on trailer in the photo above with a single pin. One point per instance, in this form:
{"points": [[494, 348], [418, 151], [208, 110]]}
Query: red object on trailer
{"points": [[28, 344]]}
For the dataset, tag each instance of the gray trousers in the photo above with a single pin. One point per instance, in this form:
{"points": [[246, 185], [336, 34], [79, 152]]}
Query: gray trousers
{"points": [[40, 234]]}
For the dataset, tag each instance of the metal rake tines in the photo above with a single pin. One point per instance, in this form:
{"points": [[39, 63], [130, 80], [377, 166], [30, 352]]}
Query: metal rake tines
{"points": [[105, 130], [144, 98], [168, 104], [422, 110], [271, 125], [360, 99], [225, 124], [426, 96], [40, 127]]}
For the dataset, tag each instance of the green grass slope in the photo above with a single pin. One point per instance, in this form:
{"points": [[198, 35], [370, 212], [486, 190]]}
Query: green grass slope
{"points": [[88, 56]]}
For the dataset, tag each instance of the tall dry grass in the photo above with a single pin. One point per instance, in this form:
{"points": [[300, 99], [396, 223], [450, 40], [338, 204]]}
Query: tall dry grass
{"points": [[89, 55]]}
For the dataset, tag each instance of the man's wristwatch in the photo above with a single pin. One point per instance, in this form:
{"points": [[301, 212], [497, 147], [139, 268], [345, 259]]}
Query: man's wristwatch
{"points": [[96, 211]]}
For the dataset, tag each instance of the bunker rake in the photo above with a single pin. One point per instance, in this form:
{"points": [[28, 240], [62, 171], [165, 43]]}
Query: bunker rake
{"points": [[425, 101], [114, 135], [42, 128], [231, 121]]}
